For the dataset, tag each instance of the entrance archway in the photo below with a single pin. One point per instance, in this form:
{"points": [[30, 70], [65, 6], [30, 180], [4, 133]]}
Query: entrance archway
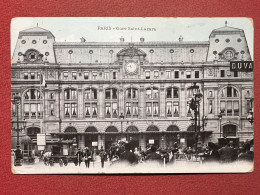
{"points": [[133, 136], [111, 136], [153, 136], [171, 138], [90, 136]]}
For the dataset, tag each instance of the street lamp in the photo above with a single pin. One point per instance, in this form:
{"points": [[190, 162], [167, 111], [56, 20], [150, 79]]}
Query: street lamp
{"points": [[121, 118], [16, 124], [195, 106], [220, 118], [250, 116]]}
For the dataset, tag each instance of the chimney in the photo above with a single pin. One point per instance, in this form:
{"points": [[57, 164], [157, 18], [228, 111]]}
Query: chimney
{"points": [[141, 39], [180, 39], [122, 39]]}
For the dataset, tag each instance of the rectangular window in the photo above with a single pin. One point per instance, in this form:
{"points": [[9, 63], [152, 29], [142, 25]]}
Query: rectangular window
{"points": [[188, 74], [108, 94], [236, 108], [39, 111], [94, 75], [108, 110], [176, 109], [147, 74], [106, 75], [169, 109], [114, 75], [188, 111], [65, 75], [176, 74], [51, 95], [32, 75], [155, 108], [223, 108], [168, 73], [73, 94], [229, 91], [25, 75], [235, 73], [86, 75], [210, 106], [169, 93], [248, 106], [33, 111], [74, 109], [87, 110], [175, 93], [197, 74], [135, 109], [67, 110], [222, 73], [38, 75], [148, 108], [87, 94], [128, 109], [229, 108], [114, 94], [156, 74], [210, 94], [51, 109], [94, 110], [114, 109], [26, 110], [74, 75]]}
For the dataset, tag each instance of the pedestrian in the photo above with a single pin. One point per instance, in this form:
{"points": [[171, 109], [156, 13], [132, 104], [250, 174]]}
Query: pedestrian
{"points": [[247, 155], [128, 156], [18, 156], [226, 153], [103, 156], [79, 155], [213, 154], [153, 156], [88, 156]]}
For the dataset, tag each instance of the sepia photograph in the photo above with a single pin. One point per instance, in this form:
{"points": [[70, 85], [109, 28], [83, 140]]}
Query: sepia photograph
{"points": [[132, 95]]}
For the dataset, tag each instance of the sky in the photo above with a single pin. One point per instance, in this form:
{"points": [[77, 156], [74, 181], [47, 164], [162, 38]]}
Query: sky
{"points": [[167, 29]]}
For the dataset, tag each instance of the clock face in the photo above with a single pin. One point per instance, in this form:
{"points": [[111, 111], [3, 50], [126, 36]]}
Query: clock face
{"points": [[131, 67]]}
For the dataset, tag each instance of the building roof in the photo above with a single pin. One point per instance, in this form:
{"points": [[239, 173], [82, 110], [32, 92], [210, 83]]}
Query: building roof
{"points": [[36, 31], [227, 28]]}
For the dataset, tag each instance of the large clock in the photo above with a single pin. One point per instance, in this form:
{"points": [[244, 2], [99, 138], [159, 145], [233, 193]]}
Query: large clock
{"points": [[131, 67], [32, 56]]}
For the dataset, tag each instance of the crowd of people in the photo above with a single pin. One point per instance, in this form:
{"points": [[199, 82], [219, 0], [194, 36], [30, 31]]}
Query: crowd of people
{"points": [[124, 152]]}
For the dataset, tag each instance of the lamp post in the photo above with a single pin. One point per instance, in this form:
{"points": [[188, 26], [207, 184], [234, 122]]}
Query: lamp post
{"points": [[121, 118], [220, 118], [195, 106], [16, 124], [250, 116]]}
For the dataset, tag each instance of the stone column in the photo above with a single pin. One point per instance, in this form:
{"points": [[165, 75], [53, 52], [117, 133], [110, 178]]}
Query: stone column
{"points": [[142, 141], [121, 101], [80, 103], [101, 141], [142, 102], [45, 104], [81, 141], [101, 103], [162, 101]]}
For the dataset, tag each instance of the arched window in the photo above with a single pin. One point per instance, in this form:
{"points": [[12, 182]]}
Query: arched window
{"points": [[229, 101], [152, 128], [91, 129], [70, 103], [90, 98], [32, 104], [172, 102], [111, 129], [173, 128], [111, 103], [132, 129], [131, 102], [152, 102]]}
